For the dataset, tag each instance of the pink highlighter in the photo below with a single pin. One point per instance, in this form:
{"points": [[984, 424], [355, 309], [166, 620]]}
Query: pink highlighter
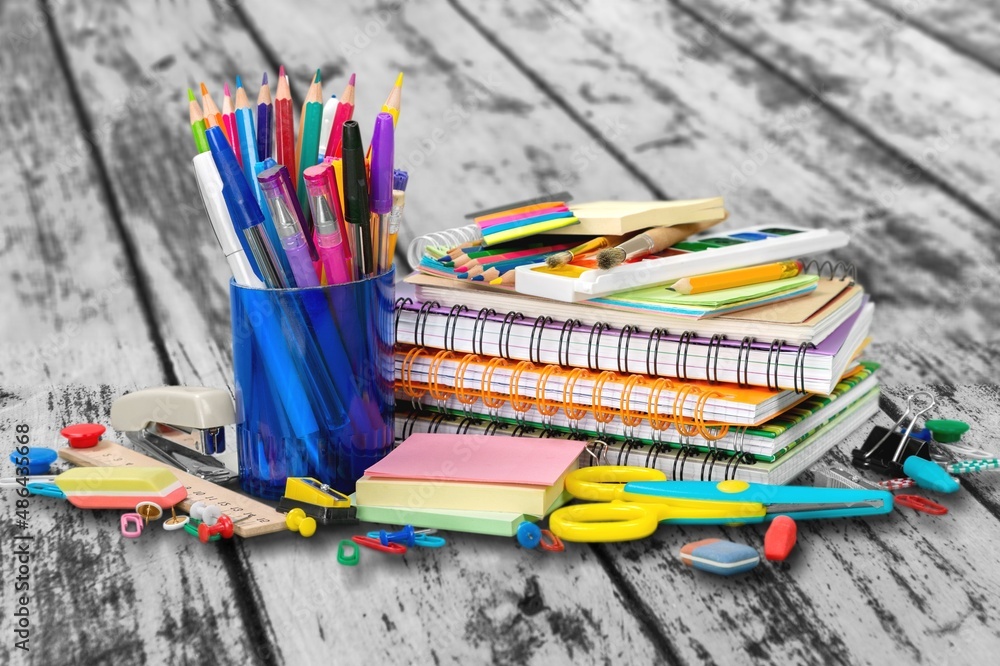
{"points": [[276, 186], [328, 221]]}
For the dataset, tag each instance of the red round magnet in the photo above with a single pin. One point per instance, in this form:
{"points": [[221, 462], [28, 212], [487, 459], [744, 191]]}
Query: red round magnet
{"points": [[83, 435]]}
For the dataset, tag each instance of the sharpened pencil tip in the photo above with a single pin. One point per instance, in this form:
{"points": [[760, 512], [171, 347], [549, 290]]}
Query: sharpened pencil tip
{"points": [[263, 80], [399, 80], [498, 280], [239, 82], [204, 89], [478, 278], [190, 95], [225, 89], [319, 77], [281, 72], [462, 276], [351, 80]]}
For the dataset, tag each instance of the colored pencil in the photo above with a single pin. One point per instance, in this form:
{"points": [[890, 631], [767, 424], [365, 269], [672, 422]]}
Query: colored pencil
{"points": [[392, 104], [739, 277], [197, 123], [284, 129], [212, 110], [489, 260], [229, 122], [265, 120], [245, 132], [506, 280], [312, 120], [506, 263], [345, 111]]}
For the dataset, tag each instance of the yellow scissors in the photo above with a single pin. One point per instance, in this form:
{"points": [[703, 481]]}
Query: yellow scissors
{"points": [[620, 515], [632, 501]]}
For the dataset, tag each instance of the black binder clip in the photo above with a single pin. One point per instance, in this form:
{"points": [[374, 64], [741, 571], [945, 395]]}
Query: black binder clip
{"points": [[885, 449]]}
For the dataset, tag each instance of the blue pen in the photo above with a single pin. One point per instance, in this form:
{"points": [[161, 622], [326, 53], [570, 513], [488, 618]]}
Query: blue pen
{"points": [[243, 208], [269, 226]]}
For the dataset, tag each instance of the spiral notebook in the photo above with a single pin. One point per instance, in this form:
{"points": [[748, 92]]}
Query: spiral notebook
{"points": [[811, 368], [677, 461], [472, 383]]}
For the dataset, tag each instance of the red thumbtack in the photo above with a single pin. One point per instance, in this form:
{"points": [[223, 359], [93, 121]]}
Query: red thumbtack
{"points": [[223, 526], [83, 435]]}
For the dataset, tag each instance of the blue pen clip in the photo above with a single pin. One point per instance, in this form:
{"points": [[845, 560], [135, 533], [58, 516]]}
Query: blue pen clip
{"points": [[798, 502]]}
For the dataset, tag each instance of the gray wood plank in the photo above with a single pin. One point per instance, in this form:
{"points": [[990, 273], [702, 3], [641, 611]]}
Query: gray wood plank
{"points": [[715, 120], [478, 599]]}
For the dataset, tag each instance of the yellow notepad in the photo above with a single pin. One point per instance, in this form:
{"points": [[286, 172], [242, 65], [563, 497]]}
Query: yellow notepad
{"points": [[616, 218], [414, 494]]}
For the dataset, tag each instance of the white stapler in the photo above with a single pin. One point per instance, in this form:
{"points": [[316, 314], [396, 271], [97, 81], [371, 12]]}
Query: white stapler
{"points": [[183, 426]]}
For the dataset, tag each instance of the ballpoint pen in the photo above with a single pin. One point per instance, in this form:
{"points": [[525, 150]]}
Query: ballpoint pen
{"points": [[280, 198], [243, 208], [380, 198], [328, 223], [399, 180], [357, 213]]}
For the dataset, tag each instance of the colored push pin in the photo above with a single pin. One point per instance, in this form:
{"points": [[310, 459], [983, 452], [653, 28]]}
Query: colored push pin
{"points": [[38, 460], [175, 522], [297, 521], [205, 513], [406, 536], [83, 435], [149, 511], [223, 527], [947, 431], [531, 536], [780, 539]]}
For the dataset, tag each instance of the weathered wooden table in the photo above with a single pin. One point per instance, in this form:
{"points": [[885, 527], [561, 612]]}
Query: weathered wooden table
{"points": [[846, 114]]}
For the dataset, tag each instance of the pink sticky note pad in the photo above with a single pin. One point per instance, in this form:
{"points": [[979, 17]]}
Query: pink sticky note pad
{"points": [[480, 459]]}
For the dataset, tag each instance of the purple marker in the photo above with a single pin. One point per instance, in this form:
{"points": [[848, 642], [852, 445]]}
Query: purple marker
{"points": [[380, 192], [276, 186]]}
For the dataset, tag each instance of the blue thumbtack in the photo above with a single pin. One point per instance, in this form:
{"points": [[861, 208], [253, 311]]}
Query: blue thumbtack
{"points": [[529, 535], [405, 536], [39, 459]]}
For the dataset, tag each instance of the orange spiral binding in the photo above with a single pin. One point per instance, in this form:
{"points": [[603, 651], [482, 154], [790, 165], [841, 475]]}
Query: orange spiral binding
{"points": [[438, 393], [414, 392], [657, 421], [517, 403], [573, 411], [699, 417], [547, 408], [630, 418], [491, 399], [602, 414], [465, 398], [684, 427]]}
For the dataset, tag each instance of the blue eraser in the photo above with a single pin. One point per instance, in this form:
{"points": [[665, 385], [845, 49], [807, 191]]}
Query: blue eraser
{"points": [[40, 459], [928, 474], [717, 556]]}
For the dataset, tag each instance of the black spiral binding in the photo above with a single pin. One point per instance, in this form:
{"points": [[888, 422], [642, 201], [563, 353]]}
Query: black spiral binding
{"points": [[567, 334], [481, 319], [625, 452], [491, 428], [506, 326], [799, 369], [625, 335], [520, 430], [409, 423], [451, 324], [846, 270], [715, 342], [436, 422], [597, 328], [745, 345], [775, 351], [464, 424], [686, 451], [739, 438], [401, 302], [424, 313], [685, 341], [535, 348], [657, 334], [654, 453]]}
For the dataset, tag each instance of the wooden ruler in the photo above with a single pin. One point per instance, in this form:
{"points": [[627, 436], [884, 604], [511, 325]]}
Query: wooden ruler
{"points": [[257, 518]]}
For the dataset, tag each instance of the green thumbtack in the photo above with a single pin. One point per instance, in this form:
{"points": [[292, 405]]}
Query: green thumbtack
{"points": [[947, 431]]}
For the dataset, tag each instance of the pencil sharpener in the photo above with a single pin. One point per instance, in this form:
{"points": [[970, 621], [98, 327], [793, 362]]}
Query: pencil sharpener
{"points": [[881, 458], [182, 426]]}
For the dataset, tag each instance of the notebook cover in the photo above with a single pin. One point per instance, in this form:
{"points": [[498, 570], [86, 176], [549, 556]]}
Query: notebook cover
{"points": [[478, 459]]}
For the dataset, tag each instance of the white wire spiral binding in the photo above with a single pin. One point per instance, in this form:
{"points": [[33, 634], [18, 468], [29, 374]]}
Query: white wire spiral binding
{"points": [[448, 238]]}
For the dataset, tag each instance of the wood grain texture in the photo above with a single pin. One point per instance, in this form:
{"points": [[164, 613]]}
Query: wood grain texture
{"points": [[714, 116], [564, 616]]}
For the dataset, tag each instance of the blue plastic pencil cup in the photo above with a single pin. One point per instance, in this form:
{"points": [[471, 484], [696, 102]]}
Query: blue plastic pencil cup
{"points": [[314, 382]]}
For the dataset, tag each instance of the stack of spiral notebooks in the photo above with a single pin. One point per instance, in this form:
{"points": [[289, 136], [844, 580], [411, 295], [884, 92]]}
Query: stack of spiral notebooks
{"points": [[758, 395]]}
